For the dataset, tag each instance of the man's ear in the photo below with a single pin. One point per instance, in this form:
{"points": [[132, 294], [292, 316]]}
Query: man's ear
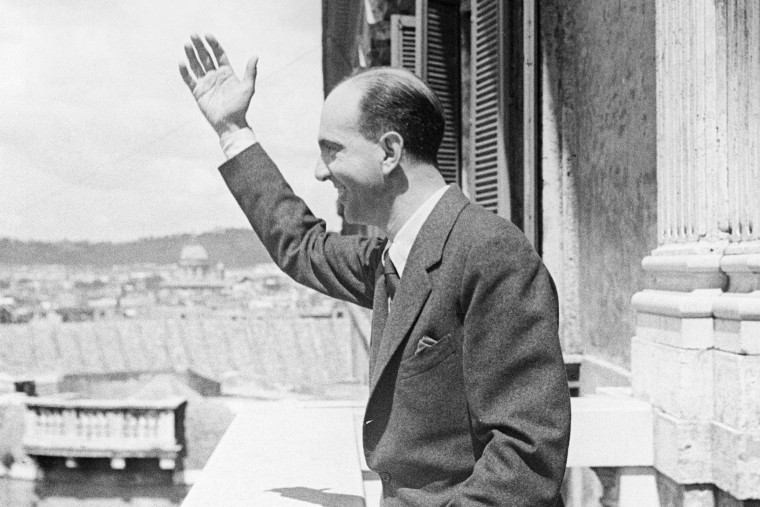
{"points": [[393, 145]]}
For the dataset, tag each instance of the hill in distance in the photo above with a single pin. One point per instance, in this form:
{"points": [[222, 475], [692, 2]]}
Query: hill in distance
{"points": [[233, 247]]}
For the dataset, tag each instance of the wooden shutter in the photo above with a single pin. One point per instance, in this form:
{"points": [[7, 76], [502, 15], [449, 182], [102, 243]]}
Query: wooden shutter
{"points": [[490, 185], [341, 21], [437, 56], [403, 42]]}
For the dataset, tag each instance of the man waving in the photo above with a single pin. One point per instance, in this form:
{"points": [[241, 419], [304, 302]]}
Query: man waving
{"points": [[468, 396]]}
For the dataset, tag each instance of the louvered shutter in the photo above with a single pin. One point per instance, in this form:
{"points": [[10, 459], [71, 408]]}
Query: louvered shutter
{"points": [[437, 56], [490, 182], [402, 42]]}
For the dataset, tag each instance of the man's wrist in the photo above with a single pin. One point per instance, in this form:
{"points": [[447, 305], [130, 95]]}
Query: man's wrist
{"points": [[234, 141]]}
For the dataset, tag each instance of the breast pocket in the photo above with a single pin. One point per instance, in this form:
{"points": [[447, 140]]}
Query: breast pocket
{"points": [[428, 356]]}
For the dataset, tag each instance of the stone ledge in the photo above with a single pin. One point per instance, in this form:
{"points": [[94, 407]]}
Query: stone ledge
{"points": [[685, 272], [737, 390], [683, 449], [700, 319], [601, 418], [676, 380], [680, 263], [691, 333], [743, 248], [696, 453], [697, 304], [736, 461], [743, 272], [737, 336], [733, 306]]}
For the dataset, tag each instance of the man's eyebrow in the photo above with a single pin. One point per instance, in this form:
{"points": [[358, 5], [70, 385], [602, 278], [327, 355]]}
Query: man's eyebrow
{"points": [[329, 145]]}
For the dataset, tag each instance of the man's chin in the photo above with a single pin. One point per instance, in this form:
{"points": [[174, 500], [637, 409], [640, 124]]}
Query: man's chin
{"points": [[352, 219]]}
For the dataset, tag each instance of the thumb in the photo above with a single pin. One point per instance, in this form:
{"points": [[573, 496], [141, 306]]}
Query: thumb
{"points": [[249, 78]]}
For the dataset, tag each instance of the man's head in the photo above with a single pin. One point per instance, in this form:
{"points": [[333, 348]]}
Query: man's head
{"points": [[397, 100], [372, 123]]}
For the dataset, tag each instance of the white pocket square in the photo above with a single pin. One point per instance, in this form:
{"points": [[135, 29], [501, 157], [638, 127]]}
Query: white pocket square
{"points": [[425, 343]]}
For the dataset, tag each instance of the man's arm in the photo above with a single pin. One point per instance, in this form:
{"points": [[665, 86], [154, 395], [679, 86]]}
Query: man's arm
{"points": [[342, 267], [339, 266], [515, 379]]}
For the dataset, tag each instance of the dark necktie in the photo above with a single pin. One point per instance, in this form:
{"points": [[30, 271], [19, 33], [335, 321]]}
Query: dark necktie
{"points": [[391, 275]]}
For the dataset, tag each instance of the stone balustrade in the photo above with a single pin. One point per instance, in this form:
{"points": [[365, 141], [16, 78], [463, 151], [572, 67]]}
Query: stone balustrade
{"points": [[116, 429]]}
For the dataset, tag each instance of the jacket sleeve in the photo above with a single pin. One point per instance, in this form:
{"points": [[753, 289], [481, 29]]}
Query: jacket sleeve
{"points": [[515, 380], [339, 266]]}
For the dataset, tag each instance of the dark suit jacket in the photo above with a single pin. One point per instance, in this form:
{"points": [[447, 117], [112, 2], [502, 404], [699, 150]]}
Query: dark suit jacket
{"points": [[482, 416]]}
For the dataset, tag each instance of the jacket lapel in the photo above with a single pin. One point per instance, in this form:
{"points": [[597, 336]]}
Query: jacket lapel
{"points": [[415, 283]]}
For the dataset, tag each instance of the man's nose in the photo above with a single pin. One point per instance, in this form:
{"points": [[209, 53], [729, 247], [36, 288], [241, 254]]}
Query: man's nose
{"points": [[320, 171]]}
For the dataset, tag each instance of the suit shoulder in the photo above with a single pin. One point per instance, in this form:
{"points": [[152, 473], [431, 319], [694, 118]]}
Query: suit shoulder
{"points": [[479, 228]]}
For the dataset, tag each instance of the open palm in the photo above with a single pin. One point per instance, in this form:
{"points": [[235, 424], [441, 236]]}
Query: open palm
{"points": [[221, 96]]}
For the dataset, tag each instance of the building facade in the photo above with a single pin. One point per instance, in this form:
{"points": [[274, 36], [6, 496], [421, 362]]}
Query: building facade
{"points": [[624, 139]]}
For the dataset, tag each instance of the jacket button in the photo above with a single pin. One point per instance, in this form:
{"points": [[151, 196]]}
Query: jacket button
{"points": [[385, 477]]}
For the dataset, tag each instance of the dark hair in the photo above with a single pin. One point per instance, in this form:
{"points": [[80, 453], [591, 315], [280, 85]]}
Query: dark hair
{"points": [[395, 99]]}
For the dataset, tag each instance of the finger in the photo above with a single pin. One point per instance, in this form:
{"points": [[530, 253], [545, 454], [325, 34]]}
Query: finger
{"points": [[186, 77], [219, 54], [193, 61], [250, 72], [203, 55]]}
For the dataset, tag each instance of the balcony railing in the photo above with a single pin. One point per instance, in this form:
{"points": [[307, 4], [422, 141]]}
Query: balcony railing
{"points": [[115, 429], [288, 453]]}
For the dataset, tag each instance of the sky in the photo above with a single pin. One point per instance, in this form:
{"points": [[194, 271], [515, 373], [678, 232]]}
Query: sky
{"points": [[101, 140]]}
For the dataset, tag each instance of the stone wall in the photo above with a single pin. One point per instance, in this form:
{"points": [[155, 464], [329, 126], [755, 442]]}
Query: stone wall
{"points": [[599, 165]]}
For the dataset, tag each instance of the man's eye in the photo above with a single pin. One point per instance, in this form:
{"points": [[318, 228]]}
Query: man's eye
{"points": [[328, 156]]}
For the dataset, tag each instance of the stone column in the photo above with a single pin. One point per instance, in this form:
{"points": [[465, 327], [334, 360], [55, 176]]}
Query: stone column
{"points": [[696, 353]]}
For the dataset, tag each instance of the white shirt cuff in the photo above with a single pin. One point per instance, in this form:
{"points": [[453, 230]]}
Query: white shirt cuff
{"points": [[238, 141]]}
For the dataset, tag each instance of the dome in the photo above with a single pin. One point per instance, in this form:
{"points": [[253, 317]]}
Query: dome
{"points": [[193, 254]]}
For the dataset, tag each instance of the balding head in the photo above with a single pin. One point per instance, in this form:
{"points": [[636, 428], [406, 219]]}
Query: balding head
{"points": [[397, 100]]}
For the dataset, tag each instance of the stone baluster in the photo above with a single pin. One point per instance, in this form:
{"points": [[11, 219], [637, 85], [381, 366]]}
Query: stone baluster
{"points": [[89, 426], [114, 426], [153, 426], [47, 424], [80, 425], [73, 420], [166, 422], [30, 423], [130, 424], [142, 426], [38, 423], [59, 424], [101, 427]]}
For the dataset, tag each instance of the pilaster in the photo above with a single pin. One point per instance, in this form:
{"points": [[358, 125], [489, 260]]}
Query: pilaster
{"points": [[696, 353]]}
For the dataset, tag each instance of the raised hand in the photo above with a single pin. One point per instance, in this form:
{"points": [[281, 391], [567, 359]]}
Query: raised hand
{"points": [[221, 96]]}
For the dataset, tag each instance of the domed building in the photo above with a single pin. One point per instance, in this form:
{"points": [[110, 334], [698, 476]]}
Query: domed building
{"points": [[198, 281], [194, 262]]}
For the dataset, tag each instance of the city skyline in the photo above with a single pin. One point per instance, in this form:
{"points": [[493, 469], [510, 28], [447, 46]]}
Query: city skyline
{"points": [[101, 141]]}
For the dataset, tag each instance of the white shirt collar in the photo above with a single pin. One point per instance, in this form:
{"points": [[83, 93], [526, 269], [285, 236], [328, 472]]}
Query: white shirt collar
{"points": [[402, 244]]}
